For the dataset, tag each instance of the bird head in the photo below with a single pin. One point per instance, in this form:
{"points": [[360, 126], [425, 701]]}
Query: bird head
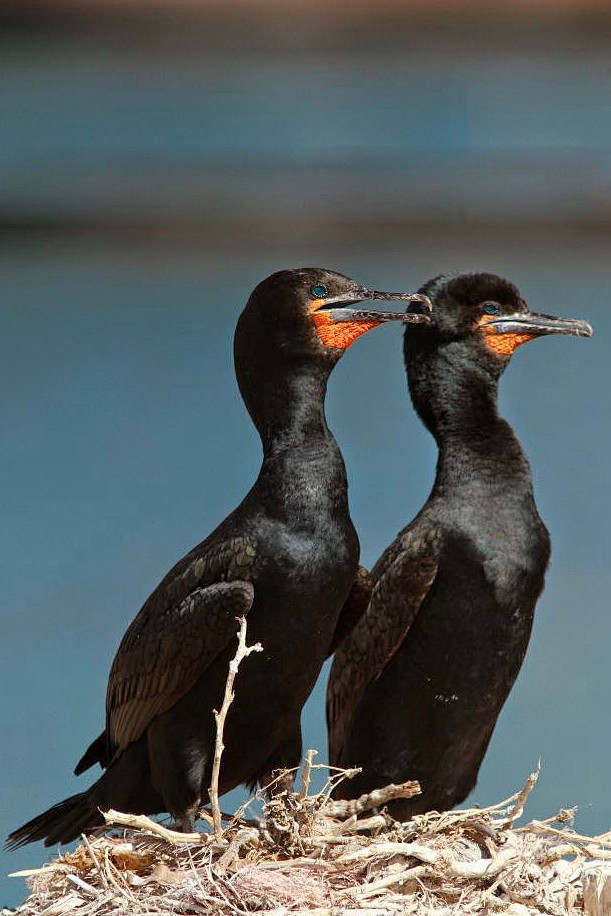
{"points": [[487, 318], [318, 313]]}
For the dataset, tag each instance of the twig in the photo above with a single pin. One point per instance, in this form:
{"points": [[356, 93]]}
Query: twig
{"points": [[82, 885], [328, 839], [196, 875], [415, 850], [442, 821], [448, 865], [96, 864], [110, 866], [375, 822], [564, 816], [206, 815], [307, 772], [484, 868], [242, 838], [553, 853], [141, 822], [518, 808], [335, 777], [298, 861], [242, 652], [545, 829], [371, 888], [217, 884], [30, 872], [373, 799]]}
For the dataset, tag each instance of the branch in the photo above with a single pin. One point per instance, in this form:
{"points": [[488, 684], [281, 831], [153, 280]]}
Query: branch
{"points": [[447, 866], [242, 652], [372, 799], [518, 808], [307, 772], [142, 822]]}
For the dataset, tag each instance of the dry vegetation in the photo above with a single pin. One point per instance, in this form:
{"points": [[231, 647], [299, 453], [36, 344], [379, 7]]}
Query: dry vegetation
{"points": [[309, 854]]}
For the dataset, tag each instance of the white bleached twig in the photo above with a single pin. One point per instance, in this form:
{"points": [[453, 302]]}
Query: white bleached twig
{"points": [[219, 716]]}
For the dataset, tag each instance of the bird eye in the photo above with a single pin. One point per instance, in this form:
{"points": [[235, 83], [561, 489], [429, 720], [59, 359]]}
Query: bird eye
{"points": [[319, 291], [491, 308]]}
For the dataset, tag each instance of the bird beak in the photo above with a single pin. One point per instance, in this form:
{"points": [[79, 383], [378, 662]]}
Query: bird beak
{"points": [[534, 324], [339, 308]]}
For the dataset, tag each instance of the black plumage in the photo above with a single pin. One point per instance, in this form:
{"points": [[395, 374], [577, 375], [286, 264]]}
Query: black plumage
{"points": [[415, 690], [286, 558]]}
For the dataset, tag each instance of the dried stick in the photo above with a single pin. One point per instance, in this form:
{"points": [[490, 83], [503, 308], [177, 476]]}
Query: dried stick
{"points": [[142, 822], [518, 808], [564, 816], [448, 866], [30, 872], [123, 888], [375, 822], [372, 799], [96, 864], [545, 829], [242, 838], [206, 815], [372, 888], [415, 850], [307, 772], [242, 652], [82, 885]]}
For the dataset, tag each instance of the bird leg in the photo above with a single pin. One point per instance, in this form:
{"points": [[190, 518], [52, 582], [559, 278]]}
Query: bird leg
{"points": [[278, 773], [187, 820]]}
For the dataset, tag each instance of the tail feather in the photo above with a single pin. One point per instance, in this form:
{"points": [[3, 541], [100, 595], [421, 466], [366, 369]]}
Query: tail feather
{"points": [[97, 752], [62, 823], [126, 785]]}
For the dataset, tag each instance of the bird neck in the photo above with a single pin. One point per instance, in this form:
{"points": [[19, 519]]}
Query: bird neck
{"points": [[303, 474], [291, 414], [458, 402]]}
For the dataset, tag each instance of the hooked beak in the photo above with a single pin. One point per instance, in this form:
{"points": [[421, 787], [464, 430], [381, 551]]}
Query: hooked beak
{"points": [[535, 324], [339, 308]]}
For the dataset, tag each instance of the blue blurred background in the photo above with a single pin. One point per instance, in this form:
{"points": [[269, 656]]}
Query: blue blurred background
{"points": [[156, 161]]}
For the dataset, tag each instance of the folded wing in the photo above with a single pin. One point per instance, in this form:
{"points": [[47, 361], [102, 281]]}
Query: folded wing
{"points": [[403, 576]]}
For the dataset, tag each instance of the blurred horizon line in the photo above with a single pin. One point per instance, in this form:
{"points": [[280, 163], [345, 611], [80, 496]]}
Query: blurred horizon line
{"points": [[260, 25], [326, 196]]}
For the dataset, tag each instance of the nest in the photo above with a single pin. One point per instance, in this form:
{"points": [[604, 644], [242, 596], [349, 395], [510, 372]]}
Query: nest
{"points": [[310, 854]]}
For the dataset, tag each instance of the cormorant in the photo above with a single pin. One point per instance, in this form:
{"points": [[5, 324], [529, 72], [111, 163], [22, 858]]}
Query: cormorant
{"points": [[416, 688], [286, 557]]}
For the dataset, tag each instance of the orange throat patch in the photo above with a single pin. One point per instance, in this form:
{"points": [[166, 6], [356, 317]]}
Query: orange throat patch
{"points": [[503, 344], [341, 334]]}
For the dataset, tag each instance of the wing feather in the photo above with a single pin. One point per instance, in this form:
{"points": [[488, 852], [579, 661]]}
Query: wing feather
{"points": [[354, 607], [402, 579], [181, 628], [160, 660]]}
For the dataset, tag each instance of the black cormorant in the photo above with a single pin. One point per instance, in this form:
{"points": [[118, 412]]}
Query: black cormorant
{"points": [[415, 690], [286, 557]]}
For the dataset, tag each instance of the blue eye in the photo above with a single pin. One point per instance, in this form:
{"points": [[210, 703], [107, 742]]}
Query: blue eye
{"points": [[491, 308], [319, 291]]}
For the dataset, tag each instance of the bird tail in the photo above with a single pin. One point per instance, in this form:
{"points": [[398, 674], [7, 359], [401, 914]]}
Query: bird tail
{"points": [[62, 823], [97, 752]]}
